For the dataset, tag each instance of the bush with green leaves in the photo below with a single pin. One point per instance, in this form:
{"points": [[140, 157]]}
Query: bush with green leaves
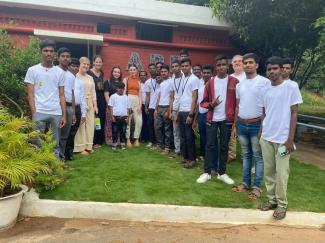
{"points": [[14, 62], [23, 162]]}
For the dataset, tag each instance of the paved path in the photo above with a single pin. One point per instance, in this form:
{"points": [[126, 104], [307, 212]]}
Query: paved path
{"points": [[49, 230], [309, 154]]}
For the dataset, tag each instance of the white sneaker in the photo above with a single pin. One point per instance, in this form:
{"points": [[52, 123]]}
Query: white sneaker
{"points": [[253, 170], [149, 145], [226, 179], [203, 178]]}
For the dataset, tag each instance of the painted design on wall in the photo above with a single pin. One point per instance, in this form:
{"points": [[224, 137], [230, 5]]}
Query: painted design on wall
{"points": [[172, 58], [154, 58], [135, 59]]}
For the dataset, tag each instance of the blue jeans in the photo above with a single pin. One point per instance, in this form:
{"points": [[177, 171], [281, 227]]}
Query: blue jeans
{"points": [[248, 137]]}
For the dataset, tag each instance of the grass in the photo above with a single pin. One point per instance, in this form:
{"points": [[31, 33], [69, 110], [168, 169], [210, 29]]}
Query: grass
{"points": [[144, 176], [313, 104]]}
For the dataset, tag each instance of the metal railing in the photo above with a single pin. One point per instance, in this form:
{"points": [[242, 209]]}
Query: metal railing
{"points": [[314, 118]]}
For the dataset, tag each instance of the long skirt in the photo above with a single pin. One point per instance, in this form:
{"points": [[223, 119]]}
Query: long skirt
{"points": [[85, 134], [108, 127]]}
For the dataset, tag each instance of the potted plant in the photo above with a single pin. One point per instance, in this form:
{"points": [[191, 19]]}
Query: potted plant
{"points": [[20, 163]]}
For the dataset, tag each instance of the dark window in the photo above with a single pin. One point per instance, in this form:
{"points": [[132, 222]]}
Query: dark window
{"points": [[103, 28], [153, 32]]}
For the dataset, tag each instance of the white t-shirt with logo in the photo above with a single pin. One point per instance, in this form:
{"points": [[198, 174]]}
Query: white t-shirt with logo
{"points": [[120, 104], [277, 101], [176, 86], [249, 92], [46, 83], [188, 85], [69, 80], [152, 87], [200, 97], [240, 77], [220, 89], [165, 89]]}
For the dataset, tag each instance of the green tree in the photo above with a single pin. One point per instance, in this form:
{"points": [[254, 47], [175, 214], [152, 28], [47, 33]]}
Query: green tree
{"points": [[273, 27], [14, 62]]}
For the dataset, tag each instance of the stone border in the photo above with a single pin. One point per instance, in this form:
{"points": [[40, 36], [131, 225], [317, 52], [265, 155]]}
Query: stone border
{"points": [[35, 207]]}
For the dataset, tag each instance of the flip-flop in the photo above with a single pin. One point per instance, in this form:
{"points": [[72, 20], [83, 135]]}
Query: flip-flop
{"points": [[239, 188], [255, 193], [279, 213]]}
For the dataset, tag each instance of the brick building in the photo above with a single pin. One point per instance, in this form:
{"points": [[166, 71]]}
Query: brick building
{"points": [[122, 31]]}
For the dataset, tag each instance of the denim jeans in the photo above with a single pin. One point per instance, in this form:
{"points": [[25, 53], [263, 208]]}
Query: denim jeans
{"points": [[119, 128], [201, 120], [248, 137], [214, 142]]}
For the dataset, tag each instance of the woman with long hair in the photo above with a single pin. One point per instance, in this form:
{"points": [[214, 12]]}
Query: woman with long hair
{"points": [[133, 90], [98, 75], [110, 89], [83, 142]]}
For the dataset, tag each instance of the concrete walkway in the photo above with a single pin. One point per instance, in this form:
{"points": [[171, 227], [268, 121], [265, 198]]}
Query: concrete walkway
{"points": [[35, 207], [309, 154]]}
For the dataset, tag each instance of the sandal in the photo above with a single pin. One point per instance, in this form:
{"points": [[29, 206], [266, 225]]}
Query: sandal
{"points": [[268, 206], [240, 188], [255, 193], [280, 213]]}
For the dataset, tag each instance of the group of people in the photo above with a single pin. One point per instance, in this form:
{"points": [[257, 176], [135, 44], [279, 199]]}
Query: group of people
{"points": [[163, 107]]}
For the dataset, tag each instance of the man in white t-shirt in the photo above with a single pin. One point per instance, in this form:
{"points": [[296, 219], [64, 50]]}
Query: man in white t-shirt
{"points": [[247, 125], [144, 130], [187, 104], [288, 70], [45, 87], [120, 110], [163, 124], [237, 65], [152, 91], [64, 58], [220, 99], [177, 78], [280, 105]]}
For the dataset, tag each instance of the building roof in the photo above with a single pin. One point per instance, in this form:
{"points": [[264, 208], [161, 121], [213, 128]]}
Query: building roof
{"points": [[141, 10]]}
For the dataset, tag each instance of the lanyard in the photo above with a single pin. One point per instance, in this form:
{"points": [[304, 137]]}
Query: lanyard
{"points": [[179, 84], [184, 86], [153, 87]]}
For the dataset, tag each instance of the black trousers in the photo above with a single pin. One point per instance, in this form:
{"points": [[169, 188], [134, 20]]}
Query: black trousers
{"points": [[163, 128], [187, 138], [151, 126], [74, 128], [145, 128], [214, 140], [101, 104], [119, 128]]}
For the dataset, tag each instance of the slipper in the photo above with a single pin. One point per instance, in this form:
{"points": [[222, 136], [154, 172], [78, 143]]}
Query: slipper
{"points": [[279, 213], [239, 188], [268, 206], [255, 193]]}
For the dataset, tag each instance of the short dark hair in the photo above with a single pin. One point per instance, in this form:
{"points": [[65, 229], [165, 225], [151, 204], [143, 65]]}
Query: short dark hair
{"points": [[288, 60], [157, 73], [97, 56], [46, 43], [184, 51], [220, 57], [132, 65], [159, 63], [186, 60], [197, 65], [165, 66], [274, 60], [176, 61], [62, 50], [151, 64], [207, 66], [253, 56], [120, 85], [74, 61]]}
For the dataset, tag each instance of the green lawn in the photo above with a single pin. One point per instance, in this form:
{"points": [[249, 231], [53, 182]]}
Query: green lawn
{"points": [[141, 175], [313, 105]]}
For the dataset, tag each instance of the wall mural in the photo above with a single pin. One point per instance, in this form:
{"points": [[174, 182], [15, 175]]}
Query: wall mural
{"points": [[135, 59], [153, 58]]}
